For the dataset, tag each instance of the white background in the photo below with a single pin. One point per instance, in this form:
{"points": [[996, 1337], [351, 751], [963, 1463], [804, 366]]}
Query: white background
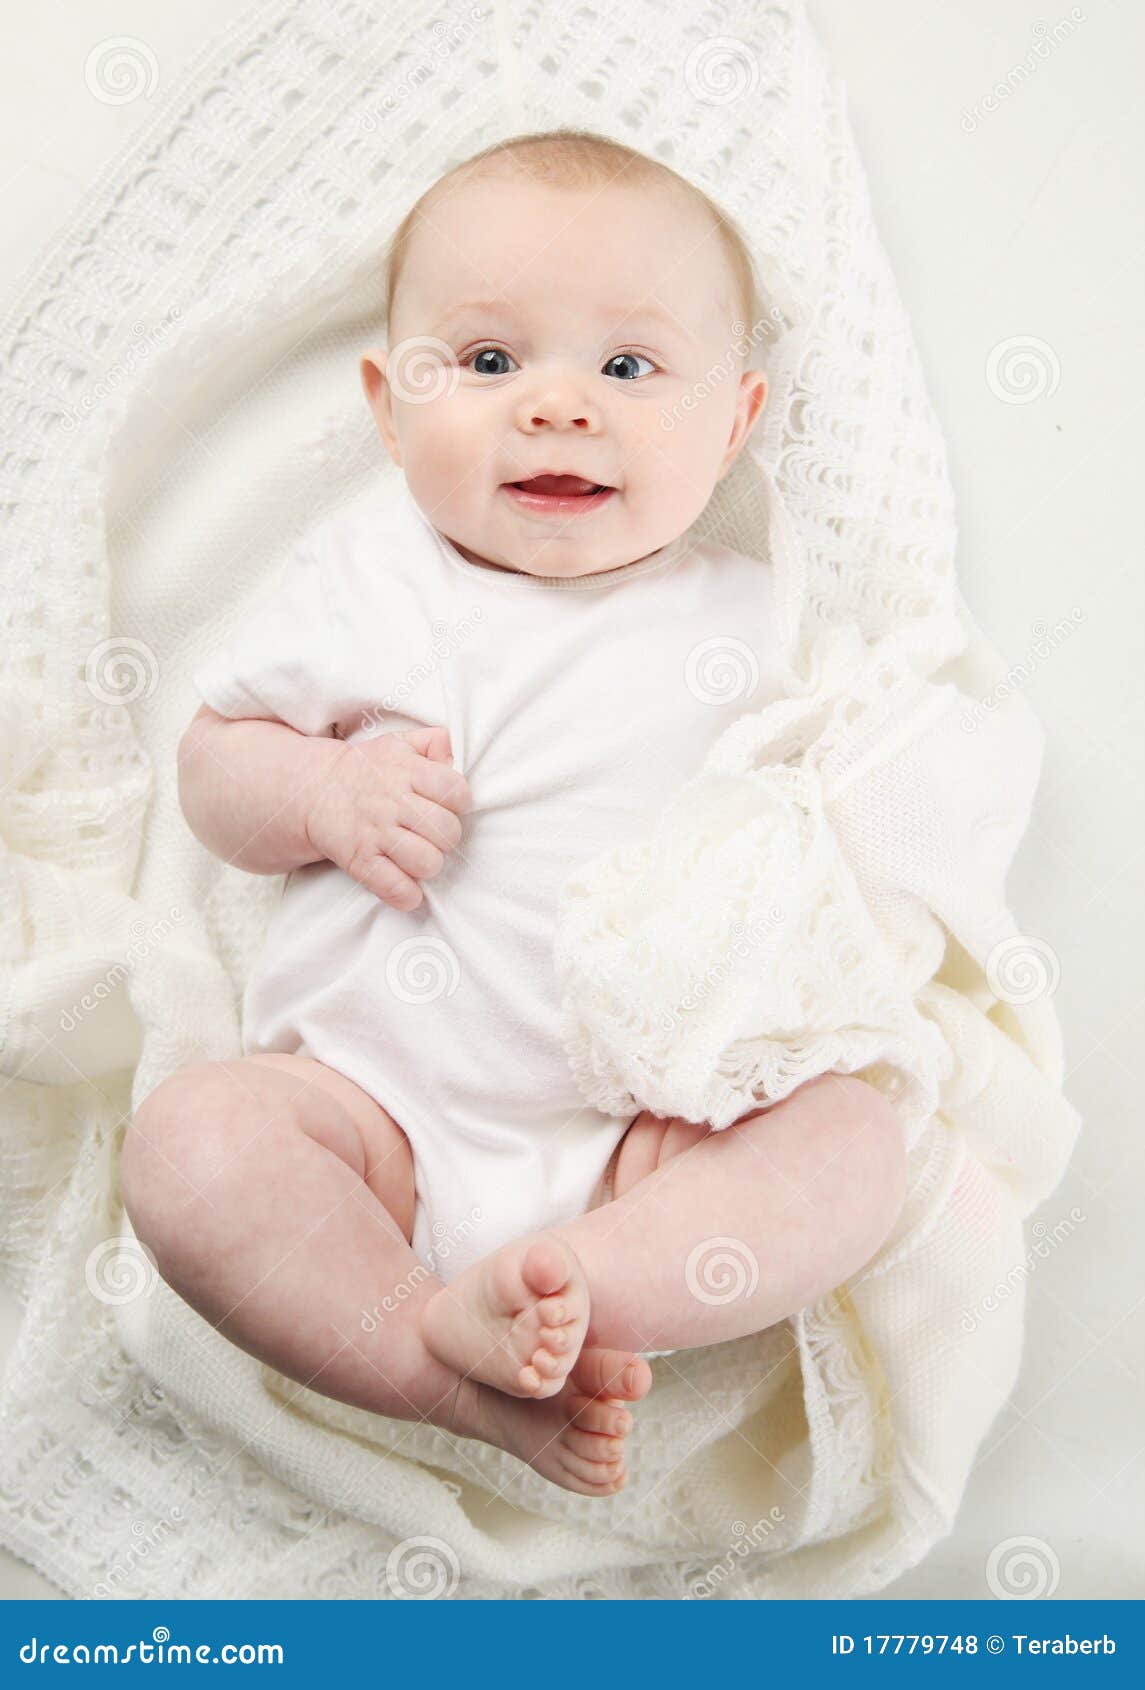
{"points": [[1023, 222]]}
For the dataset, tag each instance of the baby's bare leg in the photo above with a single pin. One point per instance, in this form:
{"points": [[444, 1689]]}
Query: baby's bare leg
{"points": [[267, 1188], [747, 1225], [251, 1182]]}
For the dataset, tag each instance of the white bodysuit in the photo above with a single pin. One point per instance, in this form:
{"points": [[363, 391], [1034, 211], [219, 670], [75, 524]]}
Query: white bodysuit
{"points": [[575, 710]]}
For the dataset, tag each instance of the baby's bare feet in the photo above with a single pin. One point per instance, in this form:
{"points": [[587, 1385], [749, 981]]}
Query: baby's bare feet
{"points": [[515, 1320], [575, 1438]]}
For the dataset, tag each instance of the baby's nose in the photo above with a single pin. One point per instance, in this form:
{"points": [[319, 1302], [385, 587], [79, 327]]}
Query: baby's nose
{"points": [[560, 406], [573, 422]]}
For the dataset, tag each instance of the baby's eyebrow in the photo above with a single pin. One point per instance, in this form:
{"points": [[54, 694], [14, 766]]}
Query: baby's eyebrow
{"points": [[647, 308], [502, 309], [473, 308]]}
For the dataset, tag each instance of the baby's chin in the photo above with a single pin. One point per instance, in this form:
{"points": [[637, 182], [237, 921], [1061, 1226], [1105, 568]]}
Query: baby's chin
{"points": [[558, 558]]}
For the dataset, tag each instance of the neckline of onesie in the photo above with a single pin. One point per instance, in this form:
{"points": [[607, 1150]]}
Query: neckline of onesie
{"points": [[658, 559]]}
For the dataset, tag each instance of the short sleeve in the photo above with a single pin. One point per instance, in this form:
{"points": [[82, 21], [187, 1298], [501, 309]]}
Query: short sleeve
{"points": [[279, 661]]}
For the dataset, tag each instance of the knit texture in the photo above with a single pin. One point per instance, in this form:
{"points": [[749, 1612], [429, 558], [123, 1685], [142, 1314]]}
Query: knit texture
{"points": [[179, 378]]}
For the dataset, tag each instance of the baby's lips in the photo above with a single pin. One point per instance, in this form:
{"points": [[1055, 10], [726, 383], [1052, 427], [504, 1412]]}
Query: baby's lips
{"points": [[555, 484]]}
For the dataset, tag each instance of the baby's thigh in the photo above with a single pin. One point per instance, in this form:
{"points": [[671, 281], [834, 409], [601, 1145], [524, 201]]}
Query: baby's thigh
{"points": [[209, 1119], [386, 1161], [649, 1142]]}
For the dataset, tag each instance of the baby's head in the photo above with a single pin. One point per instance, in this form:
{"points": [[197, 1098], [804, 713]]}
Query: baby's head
{"points": [[560, 304]]}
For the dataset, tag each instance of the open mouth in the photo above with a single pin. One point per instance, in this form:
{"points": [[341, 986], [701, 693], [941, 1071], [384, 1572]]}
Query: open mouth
{"points": [[559, 495]]}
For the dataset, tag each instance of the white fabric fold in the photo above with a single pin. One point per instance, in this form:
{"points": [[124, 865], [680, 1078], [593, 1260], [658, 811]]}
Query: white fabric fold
{"points": [[789, 905]]}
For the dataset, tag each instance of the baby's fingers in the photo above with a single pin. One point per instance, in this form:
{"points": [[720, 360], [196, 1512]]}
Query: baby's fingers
{"points": [[433, 821], [386, 880], [415, 855], [441, 783], [430, 742]]}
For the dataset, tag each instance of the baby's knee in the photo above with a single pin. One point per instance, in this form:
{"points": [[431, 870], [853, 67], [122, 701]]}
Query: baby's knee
{"points": [[181, 1137]]}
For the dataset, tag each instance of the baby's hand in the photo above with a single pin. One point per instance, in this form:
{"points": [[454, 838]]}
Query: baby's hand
{"points": [[387, 812]]}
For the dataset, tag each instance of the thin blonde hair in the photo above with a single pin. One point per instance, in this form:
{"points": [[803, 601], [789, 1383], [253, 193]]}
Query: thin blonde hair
{"points": [[575, 158]]}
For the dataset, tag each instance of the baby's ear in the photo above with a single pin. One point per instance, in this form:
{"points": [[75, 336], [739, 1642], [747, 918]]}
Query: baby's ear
{"points": [[372, 369], [753, 391], [749, 403]]}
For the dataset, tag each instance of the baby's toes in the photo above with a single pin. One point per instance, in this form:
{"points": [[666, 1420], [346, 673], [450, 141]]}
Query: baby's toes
{"points": [[611, 1373], [544, 1374], [566, 1312], [547, 1365], [592, 1445], [521, 1282], [596, 1415], [605, 1474], [549, 1265], [558, 1340], [565, 1339]]}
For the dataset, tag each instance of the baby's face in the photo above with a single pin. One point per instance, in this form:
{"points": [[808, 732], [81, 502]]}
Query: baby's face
{"points": [[547, 331]]}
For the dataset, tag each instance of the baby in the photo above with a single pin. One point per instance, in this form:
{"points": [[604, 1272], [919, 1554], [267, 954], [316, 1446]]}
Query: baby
{"points": [[455, 698]]}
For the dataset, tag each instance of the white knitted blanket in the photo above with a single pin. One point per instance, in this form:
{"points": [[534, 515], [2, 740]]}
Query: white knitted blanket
{"points": [[180, 397]]}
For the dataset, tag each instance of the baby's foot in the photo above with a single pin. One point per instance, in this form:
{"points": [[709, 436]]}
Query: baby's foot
{"points": [[515, 1320], [577, 1437]]}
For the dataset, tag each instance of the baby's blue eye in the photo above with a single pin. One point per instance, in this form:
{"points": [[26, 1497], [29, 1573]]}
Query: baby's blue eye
{"points": [[482, 368], [630, 358], [484, 363]]}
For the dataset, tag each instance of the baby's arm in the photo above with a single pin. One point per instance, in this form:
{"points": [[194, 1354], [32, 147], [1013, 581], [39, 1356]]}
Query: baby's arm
{"points": [[246, 788], [269, 799]]}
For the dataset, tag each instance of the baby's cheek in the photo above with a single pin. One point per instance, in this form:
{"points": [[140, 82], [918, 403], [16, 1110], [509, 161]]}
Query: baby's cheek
{"points": [[685, 476], [459, 436], [436, 459]]}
